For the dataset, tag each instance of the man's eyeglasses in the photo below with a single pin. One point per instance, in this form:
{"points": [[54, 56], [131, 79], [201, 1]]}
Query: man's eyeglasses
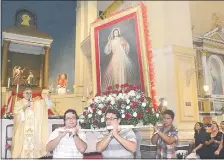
{"points": [[70, 118], [110, 119], [28, 93]]}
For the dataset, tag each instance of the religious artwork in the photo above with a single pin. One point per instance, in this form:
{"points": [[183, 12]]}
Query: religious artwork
{"points": [[120, 54], [18, 75], [24, 69], [216, 73], [121, 58], [25, 17], [62, 83], [62, 80], [218, 107]]}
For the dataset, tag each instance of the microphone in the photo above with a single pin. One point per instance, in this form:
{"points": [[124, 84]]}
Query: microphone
{"points": [[29, 101]]}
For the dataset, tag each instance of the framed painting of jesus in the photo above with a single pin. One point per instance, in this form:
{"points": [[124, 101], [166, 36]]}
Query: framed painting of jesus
{"points": [[119, 53]]}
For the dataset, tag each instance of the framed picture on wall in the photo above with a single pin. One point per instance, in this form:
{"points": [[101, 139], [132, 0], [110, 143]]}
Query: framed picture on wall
{"points": [[62, 83], [120, 51]]}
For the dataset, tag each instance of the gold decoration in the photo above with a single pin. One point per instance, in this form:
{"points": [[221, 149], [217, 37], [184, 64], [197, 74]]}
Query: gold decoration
{"points": [[25, 20], [216, 21], [111, 8], [203, 52]]}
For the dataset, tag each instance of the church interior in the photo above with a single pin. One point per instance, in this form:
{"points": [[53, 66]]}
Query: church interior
{"points": [[175, 53]]}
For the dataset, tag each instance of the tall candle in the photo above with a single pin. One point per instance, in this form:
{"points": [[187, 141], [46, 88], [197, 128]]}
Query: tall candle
{"points": [[87, 92], [17, 88], [8, 83]]}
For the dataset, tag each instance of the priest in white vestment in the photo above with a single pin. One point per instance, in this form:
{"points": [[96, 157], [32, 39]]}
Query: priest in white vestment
{"points": [[30, 127]]}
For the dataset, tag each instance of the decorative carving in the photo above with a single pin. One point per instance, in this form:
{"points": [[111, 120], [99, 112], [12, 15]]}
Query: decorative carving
{"points": [[111, 8], [216, 21], [24, 17]]}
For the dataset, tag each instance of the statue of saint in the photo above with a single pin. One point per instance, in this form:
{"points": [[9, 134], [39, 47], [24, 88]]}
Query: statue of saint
{"points": [[26, 20]]}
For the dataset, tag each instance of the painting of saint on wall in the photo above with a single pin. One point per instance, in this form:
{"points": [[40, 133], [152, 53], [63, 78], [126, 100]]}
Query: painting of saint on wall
{"points": [[216, 77], [118, 52], [24, 69], [62, 80]]}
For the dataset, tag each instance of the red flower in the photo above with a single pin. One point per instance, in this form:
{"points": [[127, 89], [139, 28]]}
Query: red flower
{"points": [[94, 110], [103, 110], [149, 109], [108, 103], [140, 115], [84, 113], [126, 85], [127, 116], [109, 88], [117, 86], [133, 104], [95, 122], [92, 105], [141, 99], [126, 91], [138, 87]]}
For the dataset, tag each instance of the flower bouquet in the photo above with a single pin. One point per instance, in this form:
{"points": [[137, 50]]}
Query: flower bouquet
{"points": [[134, 106], [8, 116]]}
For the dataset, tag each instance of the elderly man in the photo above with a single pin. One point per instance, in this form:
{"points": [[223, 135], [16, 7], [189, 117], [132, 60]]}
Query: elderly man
{"points": [[67, 141], [30, 126], [116, 143]]}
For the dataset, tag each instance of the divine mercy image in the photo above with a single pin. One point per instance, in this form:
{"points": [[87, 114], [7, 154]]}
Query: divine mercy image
{"points": [[118, 55]]}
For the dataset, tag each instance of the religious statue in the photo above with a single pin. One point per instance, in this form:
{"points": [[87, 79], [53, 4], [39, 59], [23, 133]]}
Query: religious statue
{"points": [[217, 87], [25, 20], [18, 75], [30, 78], [120, 67], [30, 126]]}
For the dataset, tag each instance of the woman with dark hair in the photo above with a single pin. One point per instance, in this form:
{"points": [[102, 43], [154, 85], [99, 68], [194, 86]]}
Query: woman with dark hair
{"points": [[213, 141], [200, 137]]}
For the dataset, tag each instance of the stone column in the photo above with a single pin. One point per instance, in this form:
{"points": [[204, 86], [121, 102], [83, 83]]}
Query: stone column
{"points": [[46, 66], [173, 54], [78, 87], [91, 17], [41, 70], [5, 62]]}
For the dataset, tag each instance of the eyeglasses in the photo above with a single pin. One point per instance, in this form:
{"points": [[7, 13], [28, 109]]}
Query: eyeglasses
{"points": [[70, 118], [28, 93], [110, 119]]}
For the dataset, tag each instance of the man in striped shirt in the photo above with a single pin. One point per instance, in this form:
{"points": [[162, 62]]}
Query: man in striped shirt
{"points": [[116, 143], [67, 142]]}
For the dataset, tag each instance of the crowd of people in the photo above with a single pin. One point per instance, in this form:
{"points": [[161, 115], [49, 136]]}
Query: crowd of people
{"points": [[30, 132]]}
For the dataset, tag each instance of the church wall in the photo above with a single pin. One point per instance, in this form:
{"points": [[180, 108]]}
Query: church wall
{"points": [[56, 18], [201, 13]]}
